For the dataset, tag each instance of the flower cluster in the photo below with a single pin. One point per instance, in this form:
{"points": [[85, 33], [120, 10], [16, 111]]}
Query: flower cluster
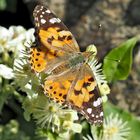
{"points": [[11, 43], [51, 116]]}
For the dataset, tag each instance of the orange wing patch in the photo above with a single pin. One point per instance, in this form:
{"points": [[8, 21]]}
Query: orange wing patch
{"points": [[41, 56], [57, 91], [82, 91], [37, 59], [57, 88], [54, 37]]}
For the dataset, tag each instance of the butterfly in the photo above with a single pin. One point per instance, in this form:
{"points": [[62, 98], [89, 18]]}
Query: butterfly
{"points": [[70, 80]]}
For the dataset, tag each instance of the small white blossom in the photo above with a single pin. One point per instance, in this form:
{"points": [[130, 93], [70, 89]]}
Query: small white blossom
{"points": [[4, 38], [13, 39], [115, 128], [6, 72]]}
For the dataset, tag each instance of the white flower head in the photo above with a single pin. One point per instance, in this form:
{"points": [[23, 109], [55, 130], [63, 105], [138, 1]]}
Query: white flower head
{"points": [[17, 43], [4, 38], [6, 72], [115, 128], [49, 114], [13, 39]]}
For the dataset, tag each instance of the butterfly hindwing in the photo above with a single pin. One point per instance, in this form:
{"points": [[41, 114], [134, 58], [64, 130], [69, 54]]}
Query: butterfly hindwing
{"points": [[85, 96], [57, 88], [79, 90]]}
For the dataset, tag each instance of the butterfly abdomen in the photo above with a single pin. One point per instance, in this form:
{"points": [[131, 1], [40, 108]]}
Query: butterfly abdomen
{"points": [[60, 69]]}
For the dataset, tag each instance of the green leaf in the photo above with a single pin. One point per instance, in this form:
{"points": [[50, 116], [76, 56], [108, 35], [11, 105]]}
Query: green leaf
{"points": [[2, 4], [133, 122], [117, 64]]}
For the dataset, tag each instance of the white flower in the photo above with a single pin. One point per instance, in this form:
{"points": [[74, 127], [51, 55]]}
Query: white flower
{"points": [[23, 74], [92, 48], [97, 71], [88, 137], [13, 39], [4, 38], [49, 114], [21, 36], [96, 68], [115, 128], [6, 72]]}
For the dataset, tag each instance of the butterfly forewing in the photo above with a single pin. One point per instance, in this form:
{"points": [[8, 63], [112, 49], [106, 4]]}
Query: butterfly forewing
{"points": [[52, 32], [53, 39]]}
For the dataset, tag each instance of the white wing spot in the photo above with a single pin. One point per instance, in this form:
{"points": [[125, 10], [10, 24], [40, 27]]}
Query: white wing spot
{"points": [[97, 102], [37, 11], [43, 21], [95, 121], [54, 20], [43, 13], [41, 16], [48, 11], [101, 114], [89, 110], [41, 8], [97, 116], [92, 115]]}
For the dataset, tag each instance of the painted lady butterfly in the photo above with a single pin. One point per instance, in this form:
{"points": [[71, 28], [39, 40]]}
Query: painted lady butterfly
{"points": [[71, 80]]}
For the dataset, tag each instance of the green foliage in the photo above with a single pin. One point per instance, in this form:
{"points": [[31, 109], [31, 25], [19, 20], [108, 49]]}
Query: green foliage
{"points": [[11, 132], [117, 63], [9, 5], [2, 4], [5, 92]]}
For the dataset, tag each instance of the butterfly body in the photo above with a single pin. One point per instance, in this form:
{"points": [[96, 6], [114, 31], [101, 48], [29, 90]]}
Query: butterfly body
{"points": [[71, 80], [75, 60]]}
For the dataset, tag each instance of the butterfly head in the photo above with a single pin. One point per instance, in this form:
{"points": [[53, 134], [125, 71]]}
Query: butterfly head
{"points": [[87, 55]]}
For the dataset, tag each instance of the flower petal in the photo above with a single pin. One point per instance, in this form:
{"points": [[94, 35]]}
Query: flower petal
{"points": [[6, 72]]}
